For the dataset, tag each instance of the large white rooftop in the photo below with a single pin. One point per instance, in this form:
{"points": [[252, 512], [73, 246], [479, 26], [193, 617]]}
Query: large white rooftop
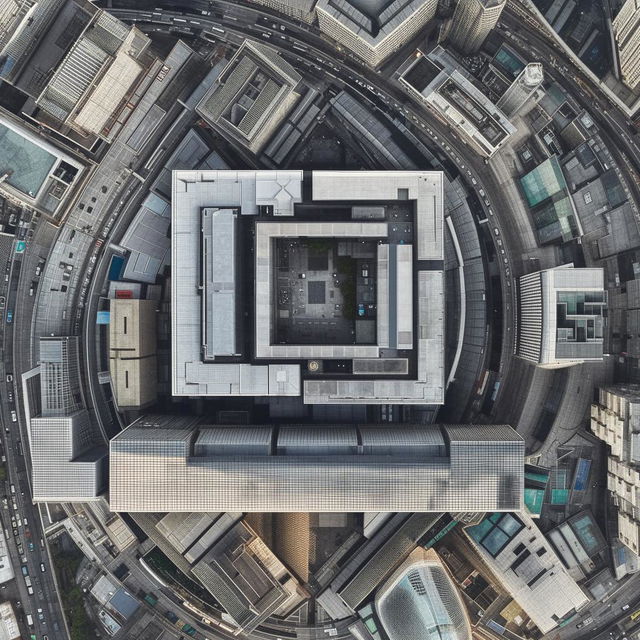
{"points": [[217, 216]]}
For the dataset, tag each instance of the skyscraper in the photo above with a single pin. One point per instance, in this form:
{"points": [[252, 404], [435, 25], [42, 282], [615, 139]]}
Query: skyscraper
{"points": [[69, 461], [472, 21], [374, 30], [522, 89], [626, 30], [561, 316]]}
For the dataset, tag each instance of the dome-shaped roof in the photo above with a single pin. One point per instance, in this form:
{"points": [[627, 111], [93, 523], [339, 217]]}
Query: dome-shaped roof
{"points": [[420, 602]]}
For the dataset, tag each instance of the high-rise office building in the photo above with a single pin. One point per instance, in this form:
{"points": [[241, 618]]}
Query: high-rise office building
{"points": [[302, 10], [60, 376], [472, 21], [247, 579], [374, 30], [420, 602], [67, 466], [615, 419], [170, 463], [252, 95], [561, 316], [626, 30], [69, 460], [522, 89]]}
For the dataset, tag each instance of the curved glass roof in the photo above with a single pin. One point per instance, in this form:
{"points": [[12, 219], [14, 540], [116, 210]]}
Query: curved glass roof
{"points": [[423, 605]]}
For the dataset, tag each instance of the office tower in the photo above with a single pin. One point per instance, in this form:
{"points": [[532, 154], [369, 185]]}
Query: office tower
{"points": [[522, 89], [69, 460], [374, 30], [60, 376], [170, 463], [471, 23], [420, 602], [561, 316], [302, 10], [247, 579], [132, 352], [626, 30], [252, 95], [454, 96], [526, 566], [615, 419]]}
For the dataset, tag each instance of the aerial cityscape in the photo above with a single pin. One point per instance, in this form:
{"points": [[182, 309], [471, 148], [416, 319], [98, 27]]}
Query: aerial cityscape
{"points": [[320, 319]]}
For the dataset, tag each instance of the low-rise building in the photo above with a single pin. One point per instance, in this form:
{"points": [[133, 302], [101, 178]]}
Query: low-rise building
{"points": [[420, 602], [333, 256], [525, 564], [552, 209], [79, 63], [561, 315], [247, 579], [580, 544], [6, 568], [9, 629], [34, 172]]}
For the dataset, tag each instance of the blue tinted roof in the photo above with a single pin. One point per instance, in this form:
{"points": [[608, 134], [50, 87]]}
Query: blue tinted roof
{"points": [[125, 604]]}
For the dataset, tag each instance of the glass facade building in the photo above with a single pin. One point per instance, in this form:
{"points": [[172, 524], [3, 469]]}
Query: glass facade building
{"points": [[155, 467], [552, 209], [69, 460], [420, 602]]}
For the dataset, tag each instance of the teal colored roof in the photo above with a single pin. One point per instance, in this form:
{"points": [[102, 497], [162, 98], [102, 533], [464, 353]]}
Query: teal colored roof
{"points": [[559, 496], [533, 499], [507, 59], [543, 182]]}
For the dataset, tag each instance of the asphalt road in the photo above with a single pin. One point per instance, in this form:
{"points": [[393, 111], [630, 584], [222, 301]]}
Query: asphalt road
{"points": [[15, 447], [319, 57]]}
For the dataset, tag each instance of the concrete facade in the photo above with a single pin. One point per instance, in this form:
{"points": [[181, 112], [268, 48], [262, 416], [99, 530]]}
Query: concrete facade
{"points": [[375, 34], [471, 23], [615, 419], [132, 352], [561, 316]]}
